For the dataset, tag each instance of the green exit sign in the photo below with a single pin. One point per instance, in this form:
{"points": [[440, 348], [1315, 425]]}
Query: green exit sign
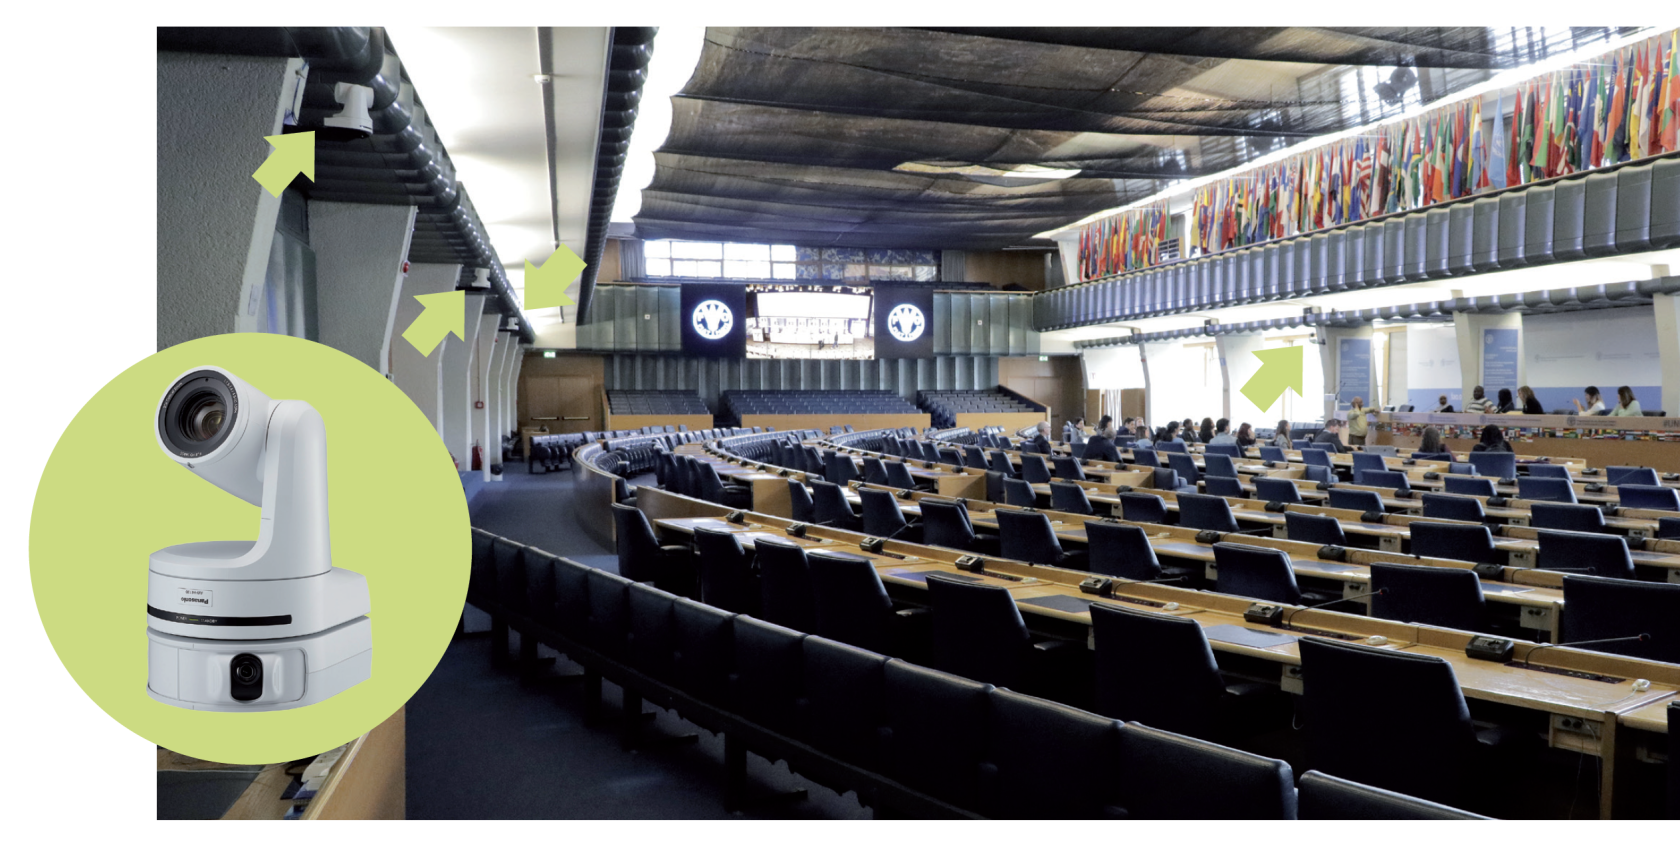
{"points": [[1044, 359], [548, 354]]}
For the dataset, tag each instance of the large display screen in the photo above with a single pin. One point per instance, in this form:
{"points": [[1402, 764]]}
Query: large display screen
{"points": [[903, 322], [714, 318], [810, 324]]}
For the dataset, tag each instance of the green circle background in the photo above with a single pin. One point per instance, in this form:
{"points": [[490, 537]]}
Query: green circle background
{"points": [[109, 497]]}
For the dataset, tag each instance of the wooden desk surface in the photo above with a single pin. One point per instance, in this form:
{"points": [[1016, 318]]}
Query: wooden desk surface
{"points": [[1652, 717]]}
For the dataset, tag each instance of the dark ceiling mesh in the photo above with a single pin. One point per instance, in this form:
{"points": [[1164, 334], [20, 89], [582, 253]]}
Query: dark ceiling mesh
{"points": [[793, 134]]}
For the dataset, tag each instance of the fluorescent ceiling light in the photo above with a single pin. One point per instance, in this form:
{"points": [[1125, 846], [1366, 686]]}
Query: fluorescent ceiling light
{"points": [[676, 53], [1008, 176]]}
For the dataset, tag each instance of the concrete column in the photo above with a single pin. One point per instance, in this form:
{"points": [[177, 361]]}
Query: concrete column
{"points": [[493, 405], [359, 252], [457, 386], [1148, 389], [1667, 308], [484, 347], [1330, 357], [1472, 348], [514, 367], [215, 224], [421, 377]]}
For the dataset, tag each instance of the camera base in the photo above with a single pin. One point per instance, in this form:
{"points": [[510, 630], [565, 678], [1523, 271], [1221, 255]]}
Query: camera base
{"points": [[196, 674]]}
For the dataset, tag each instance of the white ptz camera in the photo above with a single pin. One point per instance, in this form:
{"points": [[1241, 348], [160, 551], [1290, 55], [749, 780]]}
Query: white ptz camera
{"points": [[253, 626]]}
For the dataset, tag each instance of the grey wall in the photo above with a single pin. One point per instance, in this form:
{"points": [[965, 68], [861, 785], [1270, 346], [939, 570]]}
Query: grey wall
{"points": [[214, 223], [711, 377], [359, 251]]}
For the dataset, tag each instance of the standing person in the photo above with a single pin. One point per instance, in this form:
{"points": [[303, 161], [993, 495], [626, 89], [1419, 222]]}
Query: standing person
{"points": [[1444, 405], [1627, 406], [1222, 433], [1506, 405], [1245, 436], [1331, 435], [1039, 443], [1530, 403], [1493, 441], [1282, 438], [1101, 446], [1431, 441], [1479, 404], [1595, 402], [1206, 434], [1356, 421]]}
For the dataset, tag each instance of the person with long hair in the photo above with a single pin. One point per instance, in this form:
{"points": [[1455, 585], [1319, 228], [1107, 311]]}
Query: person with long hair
{"points": [[1595, 402], [1626, 406], [1206, 434], [1530, 403], [1493, 441], [1506, 406], [1282, 438], [1431, 441], [1245, 436]]}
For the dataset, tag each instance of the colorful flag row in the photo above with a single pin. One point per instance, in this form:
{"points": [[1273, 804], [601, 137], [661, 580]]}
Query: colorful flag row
{"points": [[1125, 242]]}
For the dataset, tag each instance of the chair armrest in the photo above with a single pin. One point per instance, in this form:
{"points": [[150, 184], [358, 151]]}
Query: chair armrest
{"points": [[1057, 645], [912, 612]]}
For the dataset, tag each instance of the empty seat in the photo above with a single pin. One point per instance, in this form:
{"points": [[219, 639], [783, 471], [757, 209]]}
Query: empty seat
{"points": [[1185, 467], [1317, 529], [1068, 468], [799, 501], [935, 723], [1268, 453], [1624, 475], [1146, 508], [642, 559], [1001, 464], [1206, 512], [1494, 464], [844, 710], [1277, 490], [1468, 486], [1218, 465], [1610, 608], [1591, 553], [713, 489], [1648, 497], [1363, 461], [1581, 518], [1159, 669], [1325, 797], [1358, 500], [974, 457], [832, 508], [727, 580], [851, 603], [1146, 457], [1029, 537], [1316, 456], [898, 477], [1029, 738], [1425, 594], [1034, 469], [1221, 450], [1452, 507], [1120, 550], [1467, 542], [1169, 776], [1069, 497], [768, 672], [883, 518], [1223, 487], [1019, 493], [1542, 469], [874, 471], [1395, 480], [785, 585], [1545, 489], [946, 524], [1248, 571]]}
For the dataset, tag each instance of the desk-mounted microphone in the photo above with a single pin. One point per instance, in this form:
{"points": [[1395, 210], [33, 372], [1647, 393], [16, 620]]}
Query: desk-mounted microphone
{"points": [[1104, 586]]}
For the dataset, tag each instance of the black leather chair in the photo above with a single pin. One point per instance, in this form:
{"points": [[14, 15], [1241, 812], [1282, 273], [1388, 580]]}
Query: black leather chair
{"points": [[1185, 467], [1531, 488], [1673, 760], [785, 584], [1160, 670], [607, 628], [1123, 550], [768, 679], [1359, 500], [1276, 489], [1668, 528], [1169, 776], [642, 559], [1430, 747], [652, 636], [838, 469], [935, 724], [851, 603], [946, 524], [1396, 480], [832, 508], [883, 518], [874, 471], [1480, 486], [712, 488], [703, 657], [1608, 608], [727, 580], [950, 456], [1467, 542], [1323, 797], [974, 457], [1602, 554], [1029, 739], [1317, 529], [1542, 469], [1069, 497], [1000, 463], [1428, 594], [978, 633], [994, 487], [1068, 468], [1219, 465], [1499, 465], [1206, 512], [899, 477], [1648, 497], [1146, 458], [1452, 507], [1634, 475], [844, 710], [1580, 518], [1143, 507], [1019, 493], [1029, 537], [1034, 469], [1263, 574], [800, 501], [1223, 487]]}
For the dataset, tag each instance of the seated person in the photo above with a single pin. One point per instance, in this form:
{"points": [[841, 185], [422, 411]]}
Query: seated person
{"points": [[1245, 436], [1493, 439], [1479, 403], [1331, 435], [1039, 443], [1595, 402], [1506, 404], [1222, 433], [1283, 439], [1530, 403], [1431, 441], [1445, 406], [1101, 446], [1626, 406]]}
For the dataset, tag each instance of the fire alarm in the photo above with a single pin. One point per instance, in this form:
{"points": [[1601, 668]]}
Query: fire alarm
{"points": [[478, 404], [405, 266]]}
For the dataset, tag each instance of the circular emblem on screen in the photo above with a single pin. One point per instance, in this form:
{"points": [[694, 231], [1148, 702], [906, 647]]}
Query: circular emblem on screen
{"points": [[906, 322], [713, 320]]}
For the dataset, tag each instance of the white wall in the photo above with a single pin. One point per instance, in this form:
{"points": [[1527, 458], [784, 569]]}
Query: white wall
{"points": [[1395, 388], [1184, 382], [1606, 348], [1432, 366]]}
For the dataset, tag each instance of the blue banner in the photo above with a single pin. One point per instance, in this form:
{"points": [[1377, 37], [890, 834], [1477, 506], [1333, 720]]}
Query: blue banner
{"points": [[1353, 371]]}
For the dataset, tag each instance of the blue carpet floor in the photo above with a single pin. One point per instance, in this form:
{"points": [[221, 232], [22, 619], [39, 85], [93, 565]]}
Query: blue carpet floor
{"points": [[484, 745]]}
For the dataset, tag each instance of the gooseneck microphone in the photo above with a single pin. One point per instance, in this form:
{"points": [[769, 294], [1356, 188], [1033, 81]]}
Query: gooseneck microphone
{"points": [[1643, 637], [1291, 616]]}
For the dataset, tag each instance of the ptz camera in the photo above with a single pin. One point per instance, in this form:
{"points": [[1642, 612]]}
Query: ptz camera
{"points": [[253, 626]]}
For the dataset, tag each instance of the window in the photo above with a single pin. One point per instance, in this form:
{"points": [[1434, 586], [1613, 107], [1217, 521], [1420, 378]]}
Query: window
{"points": [[733, 261]]}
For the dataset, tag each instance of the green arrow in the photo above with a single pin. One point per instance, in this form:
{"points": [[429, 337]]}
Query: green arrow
{"points": [[1280, 368], [293, 154], [546, 286], [445, 313]]}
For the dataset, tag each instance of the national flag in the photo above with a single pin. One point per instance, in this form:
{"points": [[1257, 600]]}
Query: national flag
{"points": [[1667, 131]]}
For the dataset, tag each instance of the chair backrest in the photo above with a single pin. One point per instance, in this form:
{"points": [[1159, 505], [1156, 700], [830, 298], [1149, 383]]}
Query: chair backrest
{"points": [[1301, 444], [1139, 506], [1171, 447], [726, 578], [946, 524], [769, 667], [978, 632], [1000, 463], [800, 501], [1224, 487], [638, 547], [1610, 608], [1494, 464], [1206, 512], [838, 469], [1396, 480], [832, 509], [1452, 507], [874, 471], [1648, 497], [1324, 797], [1668, 528], [1318, 474], [1221, 450], [994, 486], [1276, 489], [1249, 571], [1154, 668], [1185, 467], [1424, 752], [1028, 537], [1316, 456], [1068, 468], [1168, 479], [1359, 499], [1428, 594], [1029, 738], [850, 601], [845, 703], [1272, 453], [1034, 469], [950, 456], [1316, 529], [881, 515], [1467, 542], [1581, 518], [1018, 492], [1363, 461], [974, 457], [1120, 550], [1624, 475], [1546, 469], [706, 634], [1545, 489], [1146, 458], [936, 723], [1219, 465], [1604, 553], [1228, 784], [785, 584], [1069, 497], [1433, 456], [1468, 486]]}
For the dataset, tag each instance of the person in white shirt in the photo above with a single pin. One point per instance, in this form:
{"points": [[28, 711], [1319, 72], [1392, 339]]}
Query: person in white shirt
{"points": [[1073, 432], [1445, 406], [1222, 433], [1628, 406], [1479, 404], [1595, 402]]}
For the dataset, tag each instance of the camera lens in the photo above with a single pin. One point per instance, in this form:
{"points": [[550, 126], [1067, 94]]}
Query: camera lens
{"points": [[247, 673], [202, 415]]}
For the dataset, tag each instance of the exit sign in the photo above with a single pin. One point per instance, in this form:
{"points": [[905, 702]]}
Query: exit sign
{"points": [[548, 354], [1044, 359]]}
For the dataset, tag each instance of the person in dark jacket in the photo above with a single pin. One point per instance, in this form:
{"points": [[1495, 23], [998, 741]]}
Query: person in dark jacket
{"points": [[1530, 403], [1039, 443], [1101, 446], [1506, 404], [1493, 441], [1331, 435]]}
